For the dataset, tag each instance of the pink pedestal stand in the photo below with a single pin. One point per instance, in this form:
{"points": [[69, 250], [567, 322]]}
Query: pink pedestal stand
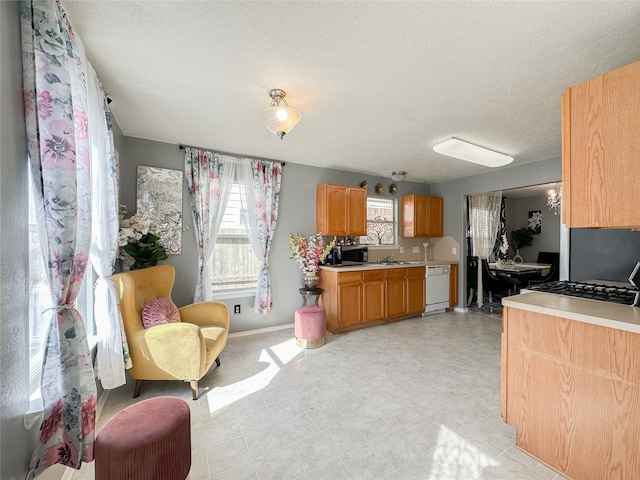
{"points": [[310, 326]]}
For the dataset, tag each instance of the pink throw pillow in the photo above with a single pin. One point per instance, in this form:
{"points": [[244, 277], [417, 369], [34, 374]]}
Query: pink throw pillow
{"points": [[158, 312]]}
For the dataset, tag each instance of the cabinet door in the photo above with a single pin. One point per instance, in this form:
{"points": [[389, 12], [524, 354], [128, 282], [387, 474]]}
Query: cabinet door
{"points": [[422, 216], [415, 210], [349, 304], [396, 292], [600, 144], [416, 290], [341, 210], [436, 217], [453, 285], [373, 293], [357, 212]]}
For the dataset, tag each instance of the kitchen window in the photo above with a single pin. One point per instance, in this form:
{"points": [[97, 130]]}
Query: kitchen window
{"points": [[382, 224], [233, 265]]}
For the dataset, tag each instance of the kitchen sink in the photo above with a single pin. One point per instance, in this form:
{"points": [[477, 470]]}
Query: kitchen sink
{"points": [[399, 262]]}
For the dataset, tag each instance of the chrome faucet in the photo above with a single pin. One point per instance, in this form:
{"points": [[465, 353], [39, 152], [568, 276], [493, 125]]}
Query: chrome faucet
{"points": [[386, 259]]}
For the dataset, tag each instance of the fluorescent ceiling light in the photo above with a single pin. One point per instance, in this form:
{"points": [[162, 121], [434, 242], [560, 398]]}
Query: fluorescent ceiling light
{"points": [[472, 153]]}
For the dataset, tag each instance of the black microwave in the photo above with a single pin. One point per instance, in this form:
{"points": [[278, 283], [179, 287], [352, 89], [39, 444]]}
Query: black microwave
{"points": [[354, 254]]}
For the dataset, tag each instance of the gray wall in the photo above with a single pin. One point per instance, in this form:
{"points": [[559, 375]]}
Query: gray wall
{"points": [[454, 192], [16, 443], [549, 239], [296, 214]]}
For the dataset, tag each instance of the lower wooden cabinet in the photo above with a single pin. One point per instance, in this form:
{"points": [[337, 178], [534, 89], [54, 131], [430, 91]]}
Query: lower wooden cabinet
{"points": [[453, 286], [349, 302], [368, 297], [373, 306], [416, 288], [571, 390], [396, 292]]}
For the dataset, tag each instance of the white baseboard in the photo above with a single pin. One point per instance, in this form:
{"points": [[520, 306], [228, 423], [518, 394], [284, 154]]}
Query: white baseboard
{"points": [[460, 309], [261, 330]]}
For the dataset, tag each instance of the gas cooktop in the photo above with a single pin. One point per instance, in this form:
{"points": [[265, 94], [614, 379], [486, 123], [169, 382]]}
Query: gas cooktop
{"points": [[592, 291]]}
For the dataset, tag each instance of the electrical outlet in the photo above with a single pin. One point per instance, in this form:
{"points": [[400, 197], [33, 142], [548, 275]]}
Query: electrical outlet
{"points": [[401, 249], [416, 249], [236, 309], [454, 251]]}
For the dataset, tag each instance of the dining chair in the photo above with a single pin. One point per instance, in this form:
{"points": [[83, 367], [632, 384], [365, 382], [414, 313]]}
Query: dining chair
{"points": [[552, 258], [496, 284]]}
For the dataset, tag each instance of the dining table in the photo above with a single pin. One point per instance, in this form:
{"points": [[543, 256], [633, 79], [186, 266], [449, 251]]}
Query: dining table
{"points": [[521, 272]]}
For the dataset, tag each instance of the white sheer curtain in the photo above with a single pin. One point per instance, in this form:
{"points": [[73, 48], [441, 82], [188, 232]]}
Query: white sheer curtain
{"points": [[209, 180], [112, 357], [484, 223], [261, 180]]}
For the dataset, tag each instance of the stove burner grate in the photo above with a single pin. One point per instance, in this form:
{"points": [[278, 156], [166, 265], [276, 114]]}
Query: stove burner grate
{"points": [[592, 291]]}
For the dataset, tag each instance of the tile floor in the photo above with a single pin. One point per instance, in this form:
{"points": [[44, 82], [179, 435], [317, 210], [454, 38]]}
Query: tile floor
{"points": [[416, 399]]}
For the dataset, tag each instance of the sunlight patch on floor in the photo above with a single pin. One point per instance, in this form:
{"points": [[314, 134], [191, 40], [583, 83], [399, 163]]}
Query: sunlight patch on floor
{"points": [[455, 457], [276, 355]]}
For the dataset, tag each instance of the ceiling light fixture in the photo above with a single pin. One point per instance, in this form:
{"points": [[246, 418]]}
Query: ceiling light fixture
{"points": [[554, 199], [279, 119], [472, 153], [399, 176]]}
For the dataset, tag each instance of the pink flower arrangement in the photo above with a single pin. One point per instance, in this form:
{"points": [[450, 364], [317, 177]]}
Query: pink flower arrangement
{"points": [[309, 253]]}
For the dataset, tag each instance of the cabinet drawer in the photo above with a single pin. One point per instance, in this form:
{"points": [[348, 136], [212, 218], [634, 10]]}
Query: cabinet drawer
{"points": [[349, 277], [396, 273], [416, 272], [373, 275]]}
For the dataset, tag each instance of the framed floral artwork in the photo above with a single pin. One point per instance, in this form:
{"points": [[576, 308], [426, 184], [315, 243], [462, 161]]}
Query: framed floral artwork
{"points": [[535, 221], [159, 191]]}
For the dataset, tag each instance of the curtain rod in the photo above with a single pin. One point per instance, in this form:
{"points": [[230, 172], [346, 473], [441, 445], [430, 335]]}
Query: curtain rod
{"points": [[182, 147]]}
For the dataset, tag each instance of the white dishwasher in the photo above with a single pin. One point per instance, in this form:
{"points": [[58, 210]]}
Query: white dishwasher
{"points": [[437, 289]]}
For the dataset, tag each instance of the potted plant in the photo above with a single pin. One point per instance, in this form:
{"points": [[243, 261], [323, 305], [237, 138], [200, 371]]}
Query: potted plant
{"points": [[141, 239], [522, 237]]}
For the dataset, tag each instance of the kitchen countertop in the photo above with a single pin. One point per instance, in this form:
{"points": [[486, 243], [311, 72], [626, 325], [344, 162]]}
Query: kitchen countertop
{"points": [[375, 265], [595, 312]]}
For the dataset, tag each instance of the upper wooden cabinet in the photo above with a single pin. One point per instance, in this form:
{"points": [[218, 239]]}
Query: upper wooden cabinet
{"points": [[601, 149], [422, 216], [341, 210]]}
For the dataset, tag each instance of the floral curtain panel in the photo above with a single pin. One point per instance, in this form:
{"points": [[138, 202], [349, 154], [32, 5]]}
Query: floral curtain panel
{"points": [[262, 180], [484, 223], [209, 179], [59, 145]]}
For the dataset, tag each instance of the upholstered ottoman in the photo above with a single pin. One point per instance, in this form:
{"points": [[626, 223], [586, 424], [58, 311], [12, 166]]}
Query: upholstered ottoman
{"points": [[310, 326], [149, 440]]}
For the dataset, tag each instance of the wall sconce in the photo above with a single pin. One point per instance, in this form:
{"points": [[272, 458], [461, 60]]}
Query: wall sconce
{"points": [[472, 153], [279, 119], [399, 176]]}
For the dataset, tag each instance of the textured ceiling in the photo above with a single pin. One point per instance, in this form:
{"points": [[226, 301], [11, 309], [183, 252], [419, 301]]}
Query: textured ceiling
{"points": [[377, 83]]}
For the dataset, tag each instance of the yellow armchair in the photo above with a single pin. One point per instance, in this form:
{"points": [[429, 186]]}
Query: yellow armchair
{"points": [[174, 351]]}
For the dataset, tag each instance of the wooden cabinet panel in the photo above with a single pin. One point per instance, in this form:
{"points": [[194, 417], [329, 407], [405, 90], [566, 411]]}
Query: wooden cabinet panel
{"points": [[349, 304], [453, 286], [357, 219], [396, 292], [373, 295], [422, 216], [572, 391], [341, 210], [416, 280], [600, 145], [436, 217]]}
